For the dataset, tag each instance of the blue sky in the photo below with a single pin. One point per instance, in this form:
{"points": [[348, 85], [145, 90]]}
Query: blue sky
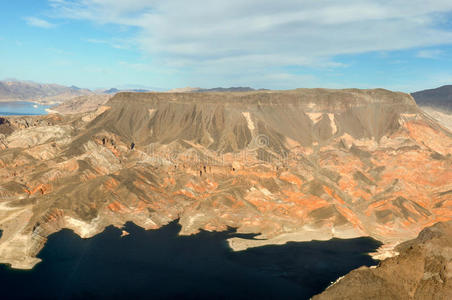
{"points": [[400, 45]]}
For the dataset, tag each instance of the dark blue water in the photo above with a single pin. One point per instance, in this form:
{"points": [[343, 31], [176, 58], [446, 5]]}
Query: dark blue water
{"points": [[22, 108], [159, 264]]}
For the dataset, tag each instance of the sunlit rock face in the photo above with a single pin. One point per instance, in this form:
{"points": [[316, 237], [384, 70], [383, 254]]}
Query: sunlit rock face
{"points": [[422, 270], [290, 165]]}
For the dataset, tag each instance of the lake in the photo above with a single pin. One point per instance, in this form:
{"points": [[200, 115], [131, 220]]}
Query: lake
{"points": [[160, 264], [22, 108]]}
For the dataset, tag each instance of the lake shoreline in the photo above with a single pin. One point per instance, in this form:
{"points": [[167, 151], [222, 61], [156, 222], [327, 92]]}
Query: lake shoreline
{"points": [[169, 264], [23, 108]]}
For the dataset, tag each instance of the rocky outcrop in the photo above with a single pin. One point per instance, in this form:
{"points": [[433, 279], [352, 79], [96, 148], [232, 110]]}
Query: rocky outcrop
{"points": [[5, 126], [443, 117], [289, 165], [422, 270]]}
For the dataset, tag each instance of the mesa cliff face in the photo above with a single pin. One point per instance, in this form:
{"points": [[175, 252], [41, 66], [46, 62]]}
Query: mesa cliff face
{"points": [[291, 165]]}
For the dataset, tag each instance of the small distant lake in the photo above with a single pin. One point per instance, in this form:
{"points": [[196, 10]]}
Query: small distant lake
{"points": [[159, 264], [22, 108]]}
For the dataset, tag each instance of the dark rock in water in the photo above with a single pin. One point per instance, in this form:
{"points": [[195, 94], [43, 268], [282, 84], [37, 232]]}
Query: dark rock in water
{"points": [[159, 264]]}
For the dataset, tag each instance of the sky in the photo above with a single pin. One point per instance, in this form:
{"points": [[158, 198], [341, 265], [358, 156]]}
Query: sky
{"points": [[403, 45]]}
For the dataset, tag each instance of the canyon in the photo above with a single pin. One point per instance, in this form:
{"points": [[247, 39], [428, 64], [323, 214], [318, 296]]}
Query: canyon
{"points": [[299, 165]]}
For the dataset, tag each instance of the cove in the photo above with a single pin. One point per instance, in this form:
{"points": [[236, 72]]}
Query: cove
{"points": [[22, 108], [160, 264]]}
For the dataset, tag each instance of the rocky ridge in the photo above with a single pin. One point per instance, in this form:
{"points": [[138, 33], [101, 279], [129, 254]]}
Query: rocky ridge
{"points": [[422, 270]]}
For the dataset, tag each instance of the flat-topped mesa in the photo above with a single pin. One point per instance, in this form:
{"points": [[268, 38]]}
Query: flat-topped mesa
{"points": [[326, 98], [288, 165], [230, 121]]}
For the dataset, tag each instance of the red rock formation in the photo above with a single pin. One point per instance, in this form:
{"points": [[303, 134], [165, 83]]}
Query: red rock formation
{"points": [[291, 165]]}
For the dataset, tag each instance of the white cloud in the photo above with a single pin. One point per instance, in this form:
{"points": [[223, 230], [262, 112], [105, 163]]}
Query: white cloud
{"points": [[431, 53], [245, 37], [36, 22]]}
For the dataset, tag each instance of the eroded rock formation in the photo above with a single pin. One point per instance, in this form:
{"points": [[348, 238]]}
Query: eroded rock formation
{"points": [[291, 165]]}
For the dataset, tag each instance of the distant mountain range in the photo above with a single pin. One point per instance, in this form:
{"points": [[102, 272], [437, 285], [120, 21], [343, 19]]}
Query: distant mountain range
{"points": [[115, 90], [44, 93], [17, 90], [231, 89], [437, 103], [440, 97]]}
